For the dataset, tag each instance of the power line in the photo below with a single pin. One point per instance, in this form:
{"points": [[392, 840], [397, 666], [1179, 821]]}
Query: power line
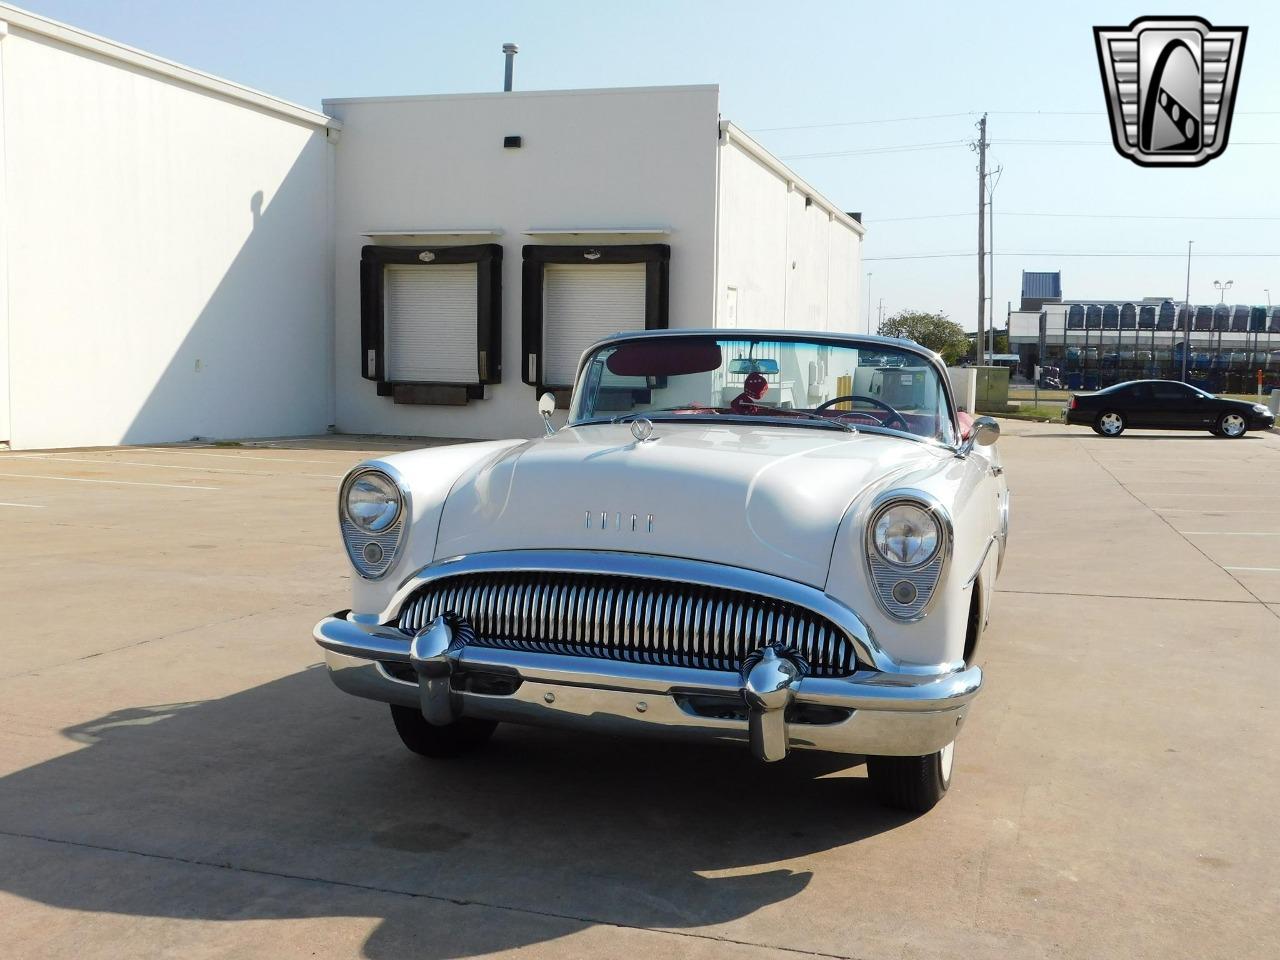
{"points": [[1076, 216], [968, 113], [1058, 253], [859, 123], [947, 144], [891, 148]]}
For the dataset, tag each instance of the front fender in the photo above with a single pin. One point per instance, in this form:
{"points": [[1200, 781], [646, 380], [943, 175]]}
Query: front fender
{"points": [[428, 474], [968, 490]]}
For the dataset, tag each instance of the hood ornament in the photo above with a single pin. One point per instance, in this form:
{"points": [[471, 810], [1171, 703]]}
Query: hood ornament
{"points": [[642, 429]]}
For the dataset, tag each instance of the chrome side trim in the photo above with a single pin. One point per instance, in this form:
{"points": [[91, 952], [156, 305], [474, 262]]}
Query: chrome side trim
{"points": [[942, 558], [977, 571], [650, 567], [1003, 533]]}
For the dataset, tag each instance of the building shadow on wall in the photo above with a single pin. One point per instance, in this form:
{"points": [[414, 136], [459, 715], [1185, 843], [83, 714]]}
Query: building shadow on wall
{"points": [[256, 361], [292, 782]]}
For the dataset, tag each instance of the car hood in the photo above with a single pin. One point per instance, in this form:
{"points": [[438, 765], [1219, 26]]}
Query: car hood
{"points": [[764, 498]]}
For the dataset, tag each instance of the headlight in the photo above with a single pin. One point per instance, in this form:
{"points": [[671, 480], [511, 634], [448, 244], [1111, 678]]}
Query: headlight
{"points": [[1259, 408], [371, 501], [374, 513], [906, 535]]}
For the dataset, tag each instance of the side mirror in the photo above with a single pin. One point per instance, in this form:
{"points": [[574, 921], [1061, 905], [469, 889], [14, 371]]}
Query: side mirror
{"points": [[546, 407], [983, 433]]}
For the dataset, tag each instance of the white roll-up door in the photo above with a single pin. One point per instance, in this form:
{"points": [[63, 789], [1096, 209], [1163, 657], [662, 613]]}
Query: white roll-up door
{"points": [[430, 323], [582, 303]]}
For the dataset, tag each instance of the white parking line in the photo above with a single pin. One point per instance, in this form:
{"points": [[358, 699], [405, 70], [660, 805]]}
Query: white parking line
{"points": [[1215, 483], [1213, 511], [49, 458], [126, 483], [168, 466], [29, 506], [234, 456], [1226, 533], [1256, 569]]}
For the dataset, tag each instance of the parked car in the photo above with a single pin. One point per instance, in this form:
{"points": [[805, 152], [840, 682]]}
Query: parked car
{"points": [[1165, 405], [684, 558]]}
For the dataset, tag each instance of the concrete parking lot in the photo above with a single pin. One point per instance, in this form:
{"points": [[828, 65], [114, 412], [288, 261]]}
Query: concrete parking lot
{"points": [[179, 778]]}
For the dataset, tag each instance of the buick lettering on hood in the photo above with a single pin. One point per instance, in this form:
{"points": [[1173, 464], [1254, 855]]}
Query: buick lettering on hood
{"points": [[787, 541]]}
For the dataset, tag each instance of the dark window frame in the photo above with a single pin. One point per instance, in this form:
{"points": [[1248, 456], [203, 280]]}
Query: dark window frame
{"points": [[657, 295], [488, 260]]}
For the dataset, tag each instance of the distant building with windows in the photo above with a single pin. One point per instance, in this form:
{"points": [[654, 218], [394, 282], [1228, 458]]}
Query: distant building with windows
{"points": [[1091, 343]]}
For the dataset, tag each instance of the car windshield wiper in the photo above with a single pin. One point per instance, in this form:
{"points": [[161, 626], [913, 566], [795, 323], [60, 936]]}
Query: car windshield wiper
{"points": [[781, 416], [788, 414], [624, 417]]}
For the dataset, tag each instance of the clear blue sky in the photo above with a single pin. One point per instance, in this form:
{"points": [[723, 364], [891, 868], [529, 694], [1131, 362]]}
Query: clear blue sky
{"points": [[796, 63]]}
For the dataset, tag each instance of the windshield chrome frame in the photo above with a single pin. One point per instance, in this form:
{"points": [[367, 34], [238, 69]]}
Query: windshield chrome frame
{"points": [[854, 341]]}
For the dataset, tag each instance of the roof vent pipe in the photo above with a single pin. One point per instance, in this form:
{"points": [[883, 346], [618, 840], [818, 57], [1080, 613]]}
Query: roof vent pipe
{"points": [[510, 49]]}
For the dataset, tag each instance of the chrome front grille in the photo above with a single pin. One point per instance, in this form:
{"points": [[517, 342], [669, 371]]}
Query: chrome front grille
{"points": [[629, 618]]}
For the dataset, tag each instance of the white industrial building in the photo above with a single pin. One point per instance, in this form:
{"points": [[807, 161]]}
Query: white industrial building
{"points": [[184, 257]]}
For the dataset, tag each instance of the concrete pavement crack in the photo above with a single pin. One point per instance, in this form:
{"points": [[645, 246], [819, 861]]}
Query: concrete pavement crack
{"points": [[414, 894], [1194, 546], [1120, 596]]}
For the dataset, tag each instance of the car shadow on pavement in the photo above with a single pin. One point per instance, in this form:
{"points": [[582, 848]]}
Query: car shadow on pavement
{"points": [[294, 780]]}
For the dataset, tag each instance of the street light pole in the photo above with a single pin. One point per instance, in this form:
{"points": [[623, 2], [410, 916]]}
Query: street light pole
{"points": [[868, 301], [1222, 289], [1186, 316]]}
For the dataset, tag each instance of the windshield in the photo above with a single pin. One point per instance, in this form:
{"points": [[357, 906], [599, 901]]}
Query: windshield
{"points": [[801, 383]]}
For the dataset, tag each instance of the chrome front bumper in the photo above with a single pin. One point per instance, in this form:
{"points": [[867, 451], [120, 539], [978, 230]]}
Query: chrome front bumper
{"points": [[870, 712]]}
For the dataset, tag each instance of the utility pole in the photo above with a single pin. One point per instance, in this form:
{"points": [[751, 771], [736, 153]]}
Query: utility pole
{"points": [[991, 212], [978, 345], [880, 318]]}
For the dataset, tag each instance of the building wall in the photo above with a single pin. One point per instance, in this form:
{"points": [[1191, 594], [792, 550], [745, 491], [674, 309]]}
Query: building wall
{"points": [[781, 261], [4, 262], [168, 247], [637, 158]]}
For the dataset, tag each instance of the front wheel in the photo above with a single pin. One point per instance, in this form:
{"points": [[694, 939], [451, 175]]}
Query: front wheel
{"points": [[914, 784], [1110, 423], [1231, 425], [462, 736]]}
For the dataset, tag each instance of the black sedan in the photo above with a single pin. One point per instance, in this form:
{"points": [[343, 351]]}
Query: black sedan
{"points": [[1165, 405]]}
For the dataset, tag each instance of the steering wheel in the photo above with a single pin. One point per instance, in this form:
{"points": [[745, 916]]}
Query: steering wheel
{"points": [[893, 414]]}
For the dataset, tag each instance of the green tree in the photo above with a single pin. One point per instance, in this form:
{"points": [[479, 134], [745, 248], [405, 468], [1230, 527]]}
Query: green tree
{"points": [[932, 330]]}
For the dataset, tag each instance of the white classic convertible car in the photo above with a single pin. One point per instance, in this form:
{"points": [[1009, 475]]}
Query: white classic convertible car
{"points": [[789, 540]]}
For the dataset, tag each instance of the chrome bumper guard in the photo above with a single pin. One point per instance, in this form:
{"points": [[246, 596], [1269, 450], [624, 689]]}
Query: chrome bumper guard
{"points": [[772, 705]]}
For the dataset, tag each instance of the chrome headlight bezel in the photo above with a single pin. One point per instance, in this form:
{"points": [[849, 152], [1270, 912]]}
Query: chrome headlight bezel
{"points": [[380, 479], [359, 539], [924, 576], [884, 513]]}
